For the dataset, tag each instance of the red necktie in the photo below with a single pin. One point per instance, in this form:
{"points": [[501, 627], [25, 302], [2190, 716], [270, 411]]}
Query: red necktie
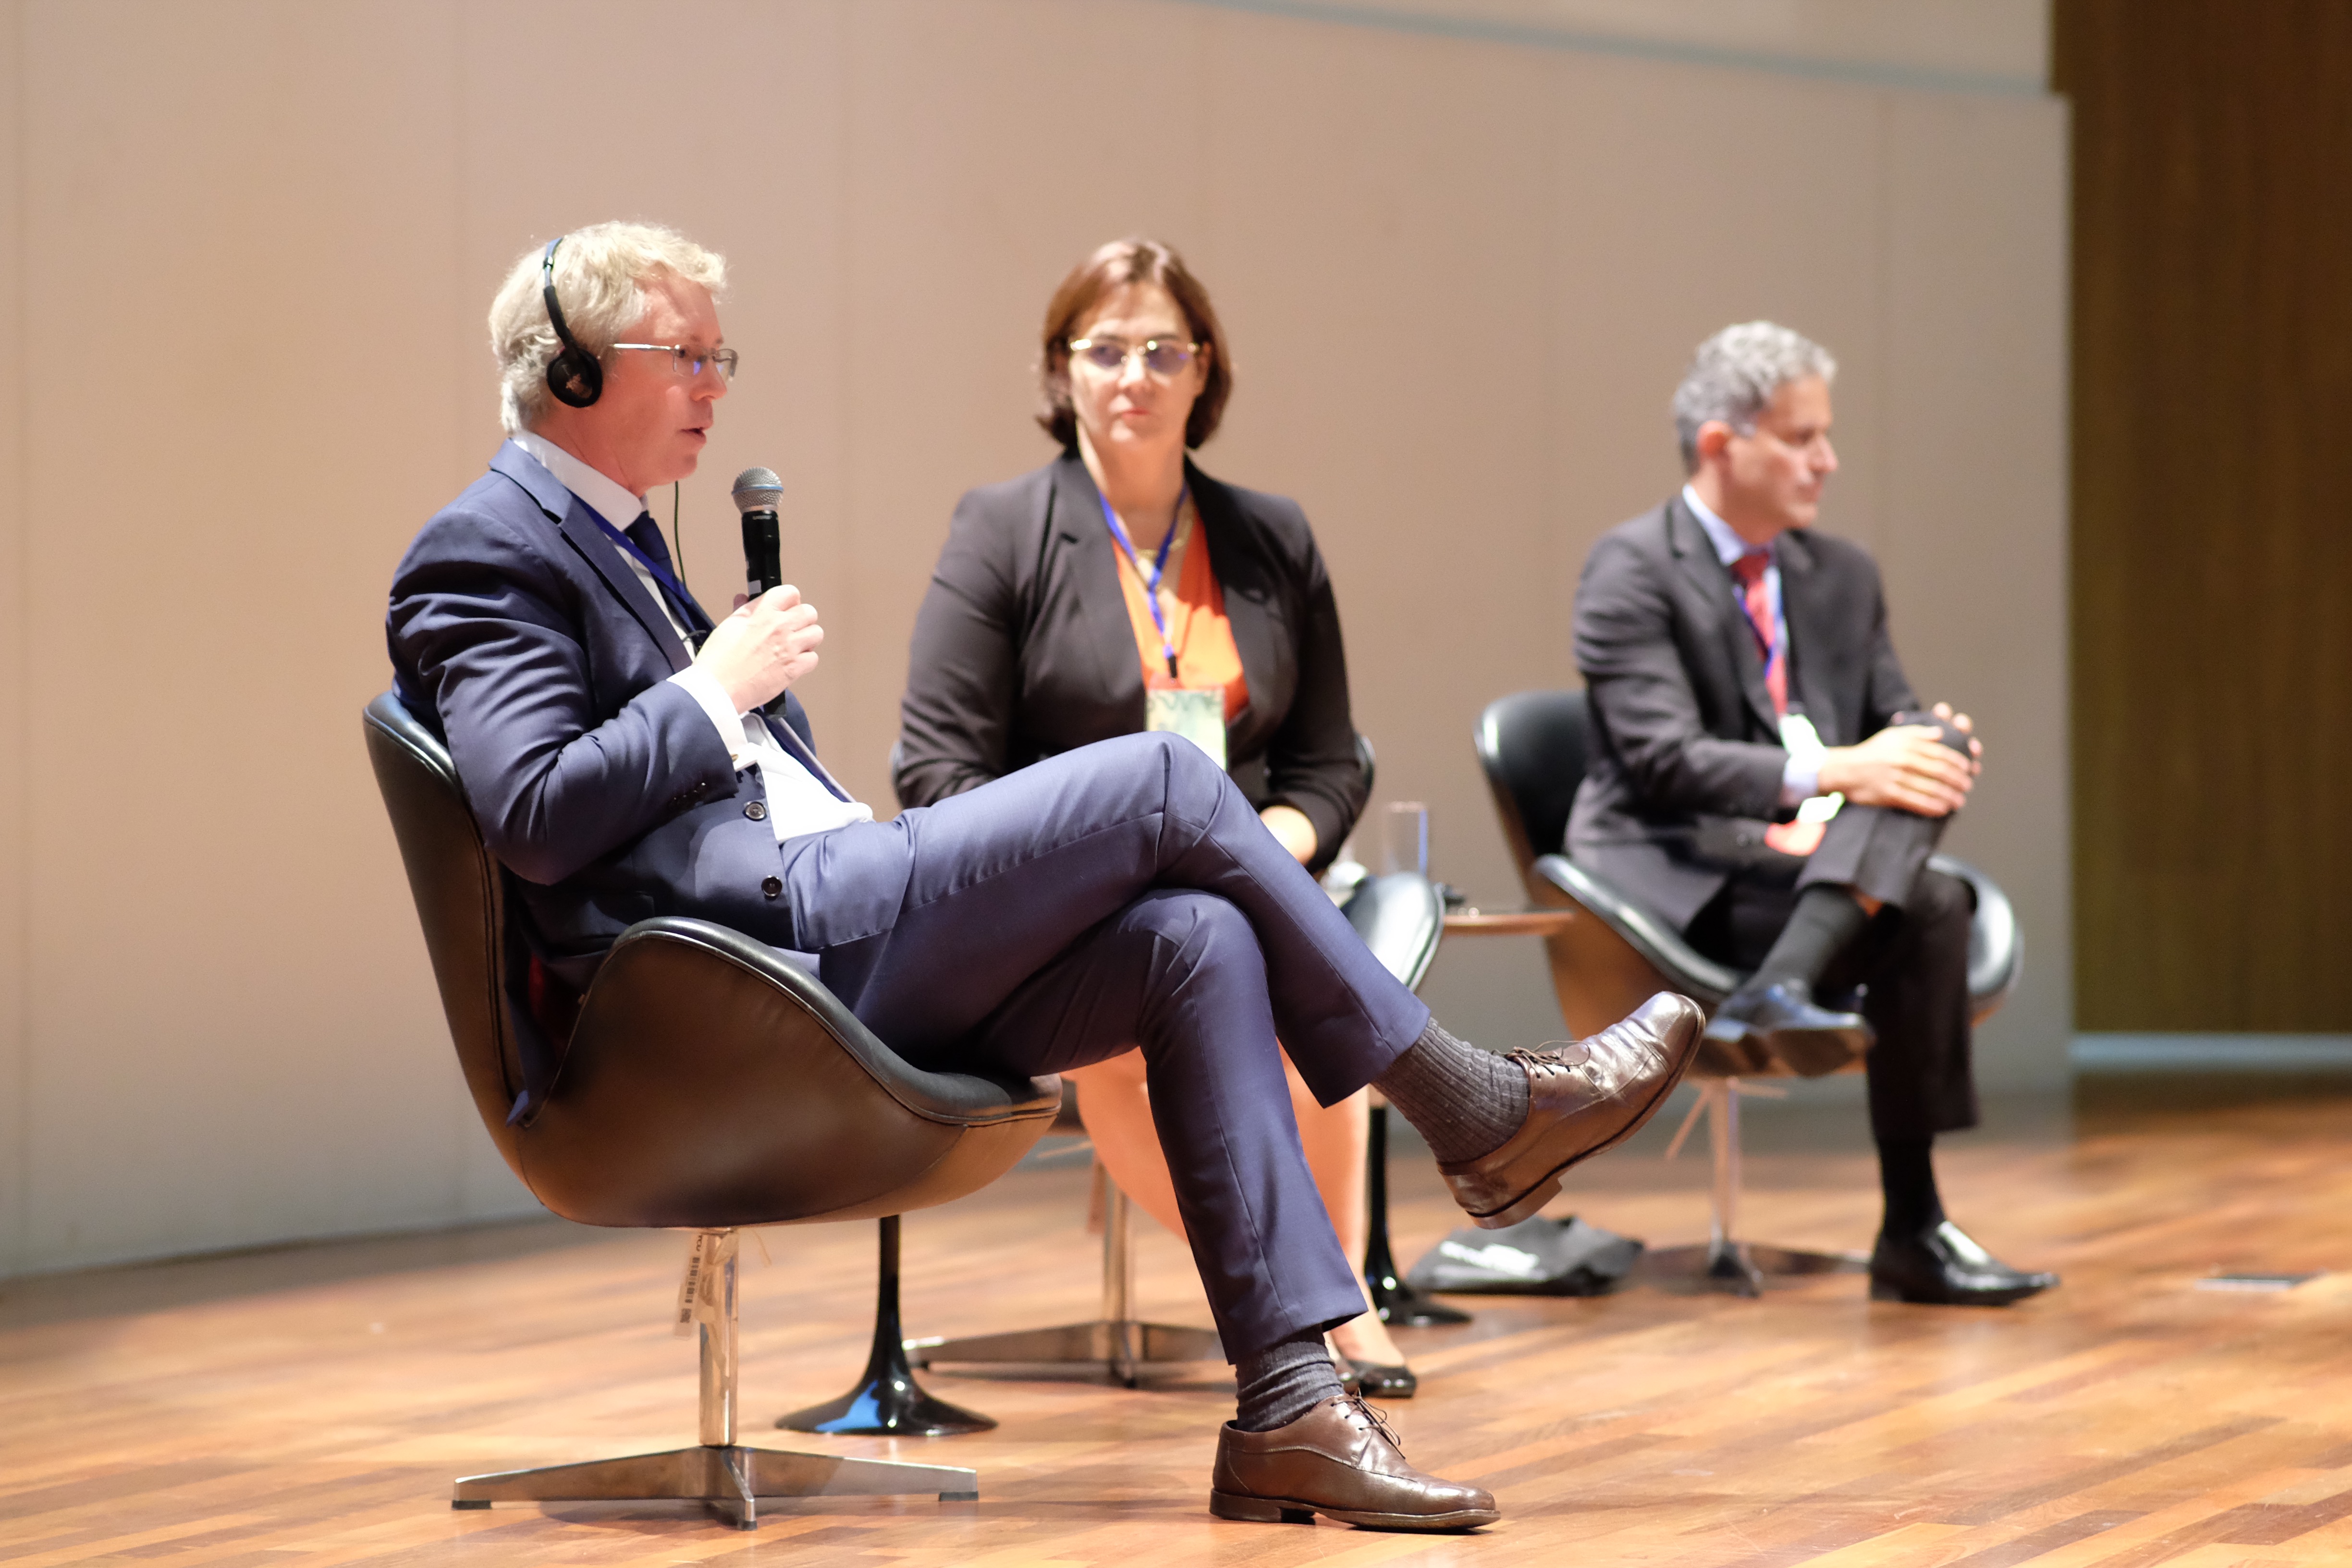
{"points": [[1748, 571]]}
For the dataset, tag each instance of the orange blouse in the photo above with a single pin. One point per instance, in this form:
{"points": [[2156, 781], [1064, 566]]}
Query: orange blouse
{"points": [[1195, 607]]}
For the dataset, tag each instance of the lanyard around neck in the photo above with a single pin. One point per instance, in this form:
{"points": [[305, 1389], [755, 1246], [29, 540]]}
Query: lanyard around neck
{"points": [[1152, 573], [684, 601]]}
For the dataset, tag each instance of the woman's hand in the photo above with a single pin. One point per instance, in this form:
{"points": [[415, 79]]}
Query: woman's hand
{"points": [[1291, 829]]}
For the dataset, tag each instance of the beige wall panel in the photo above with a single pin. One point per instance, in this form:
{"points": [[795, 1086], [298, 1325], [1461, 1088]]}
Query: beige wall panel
{"points": [[1459, 277], [235, 217], [1974, 542], [15, 1170]]}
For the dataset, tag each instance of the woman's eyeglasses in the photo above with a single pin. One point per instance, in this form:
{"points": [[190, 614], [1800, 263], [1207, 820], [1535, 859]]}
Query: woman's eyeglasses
{"points": [[1163, 357]]}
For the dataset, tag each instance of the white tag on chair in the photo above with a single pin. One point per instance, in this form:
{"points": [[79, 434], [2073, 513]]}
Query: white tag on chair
{"points": [[697, 1292]]}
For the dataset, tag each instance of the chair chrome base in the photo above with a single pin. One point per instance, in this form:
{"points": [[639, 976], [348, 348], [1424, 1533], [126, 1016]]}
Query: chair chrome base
{"points": [[721, 1473], [727, 1478], [1740, 1267], [1724, 1263], [1122, 1346], [887, 1402]]}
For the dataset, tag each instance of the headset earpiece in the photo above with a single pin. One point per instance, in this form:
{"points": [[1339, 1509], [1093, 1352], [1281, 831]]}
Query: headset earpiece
{"points": [[574, 377]]}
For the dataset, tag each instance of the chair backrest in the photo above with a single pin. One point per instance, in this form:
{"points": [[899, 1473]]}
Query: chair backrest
{"points": [[1532, 746], [708, 1081], [460, 902]]}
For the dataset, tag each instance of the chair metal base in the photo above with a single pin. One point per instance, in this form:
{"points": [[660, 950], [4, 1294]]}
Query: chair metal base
{"points": [[1740, 1267], [1116, 1341], [887, 1402], [1398, 1303], [1126, 1349], [721, 1473], [1724, 1263], [727, 1478]]}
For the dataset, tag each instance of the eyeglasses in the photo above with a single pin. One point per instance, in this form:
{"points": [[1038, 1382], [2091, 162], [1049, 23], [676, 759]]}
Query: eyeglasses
{"points": [[689, 363], [1163, 357]]}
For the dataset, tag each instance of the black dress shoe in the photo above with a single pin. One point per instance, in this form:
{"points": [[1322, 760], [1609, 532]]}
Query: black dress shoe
{"points": [[1783, 1023], [1942, 1266]]}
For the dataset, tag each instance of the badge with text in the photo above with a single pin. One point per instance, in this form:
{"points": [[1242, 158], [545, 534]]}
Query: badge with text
{"points": [[1196, 713]]}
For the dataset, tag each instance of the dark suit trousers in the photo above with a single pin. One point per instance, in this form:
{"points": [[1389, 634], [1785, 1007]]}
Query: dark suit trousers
{"points": [[1125, 894], [1913, 957]]}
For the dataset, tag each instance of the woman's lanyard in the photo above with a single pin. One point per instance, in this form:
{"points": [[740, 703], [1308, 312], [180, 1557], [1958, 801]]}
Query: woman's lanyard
{"points": [[1154, 572]]}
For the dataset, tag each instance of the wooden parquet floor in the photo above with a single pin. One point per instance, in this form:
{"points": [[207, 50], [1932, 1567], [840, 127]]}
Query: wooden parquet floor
{"points": [[310, 1406]]}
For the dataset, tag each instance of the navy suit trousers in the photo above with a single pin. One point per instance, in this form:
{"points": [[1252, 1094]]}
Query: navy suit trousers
{"points": [[1126, 894]]}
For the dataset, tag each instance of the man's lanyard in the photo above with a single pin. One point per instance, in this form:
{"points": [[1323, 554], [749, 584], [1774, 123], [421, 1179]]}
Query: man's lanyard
{"points": [[1151, 574], [684, 601]]}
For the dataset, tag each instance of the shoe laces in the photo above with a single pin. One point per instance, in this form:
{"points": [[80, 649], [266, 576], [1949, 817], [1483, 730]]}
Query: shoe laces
{"points": [[1380, 1422], [1553, 1055]]}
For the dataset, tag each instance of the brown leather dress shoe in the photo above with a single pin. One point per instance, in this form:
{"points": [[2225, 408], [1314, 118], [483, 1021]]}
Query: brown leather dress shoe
{"points": [[1582, 1098], [1340, 1459]]}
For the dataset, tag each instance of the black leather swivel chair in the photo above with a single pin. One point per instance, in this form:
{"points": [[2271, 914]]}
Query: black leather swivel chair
{"points": [[1608, 953], [702, 1083]]}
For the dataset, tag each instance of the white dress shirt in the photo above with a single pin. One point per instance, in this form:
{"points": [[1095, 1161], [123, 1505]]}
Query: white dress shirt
{"points": [[1800, 776], [798, 802]]}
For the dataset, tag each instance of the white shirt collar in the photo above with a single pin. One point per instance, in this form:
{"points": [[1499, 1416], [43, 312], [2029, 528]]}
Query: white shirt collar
{"points": [[1728, 546], [610, 501]]}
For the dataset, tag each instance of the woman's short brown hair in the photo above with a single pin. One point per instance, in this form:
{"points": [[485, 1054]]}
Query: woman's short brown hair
{"points": [[1116, 266]]}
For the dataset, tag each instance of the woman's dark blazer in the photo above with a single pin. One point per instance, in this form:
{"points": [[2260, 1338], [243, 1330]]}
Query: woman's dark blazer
{"points": [[1024, 648]]}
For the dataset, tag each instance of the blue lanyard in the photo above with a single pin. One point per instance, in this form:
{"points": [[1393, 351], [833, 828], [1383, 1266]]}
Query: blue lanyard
{"points": [[1152, 573], [686, 605]]}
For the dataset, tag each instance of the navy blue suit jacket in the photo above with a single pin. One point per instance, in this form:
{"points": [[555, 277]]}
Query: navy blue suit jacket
{"points": [[520, 634]]}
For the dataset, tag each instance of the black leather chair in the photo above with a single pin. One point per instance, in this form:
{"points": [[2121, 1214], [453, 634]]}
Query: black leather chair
{"points": [[702, 1083], [1400, 917], [1608, 953]]}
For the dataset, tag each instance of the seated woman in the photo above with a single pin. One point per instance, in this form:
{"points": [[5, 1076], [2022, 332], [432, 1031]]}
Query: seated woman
{"points": [[1117, 589]]}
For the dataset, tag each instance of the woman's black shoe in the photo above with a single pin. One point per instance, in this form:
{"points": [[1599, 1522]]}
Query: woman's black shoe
{"points": [[1376, 1382], [1942, 1266]]}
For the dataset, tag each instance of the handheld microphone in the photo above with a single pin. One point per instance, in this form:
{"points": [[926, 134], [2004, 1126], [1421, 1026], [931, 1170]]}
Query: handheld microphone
{"points": [[756, 492]]}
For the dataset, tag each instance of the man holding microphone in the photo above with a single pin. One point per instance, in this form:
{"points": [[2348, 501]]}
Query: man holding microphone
{"points": [[625, 757]]}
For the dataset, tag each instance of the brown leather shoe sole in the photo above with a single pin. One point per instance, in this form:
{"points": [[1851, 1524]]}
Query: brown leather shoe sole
{"points": [[1531, 1201], [1289, 1510]]}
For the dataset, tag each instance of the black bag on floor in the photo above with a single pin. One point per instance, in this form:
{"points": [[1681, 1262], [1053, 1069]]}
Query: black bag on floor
{"points": [[1536, 1256]]}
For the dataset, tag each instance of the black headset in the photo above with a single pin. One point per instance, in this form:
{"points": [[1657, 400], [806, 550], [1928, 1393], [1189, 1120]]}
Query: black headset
{"points": [[574, 376]]}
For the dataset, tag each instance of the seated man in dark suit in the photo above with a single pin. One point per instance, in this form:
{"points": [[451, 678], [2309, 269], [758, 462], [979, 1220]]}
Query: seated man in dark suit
{"points": [[1763, 778], [625, 757]]}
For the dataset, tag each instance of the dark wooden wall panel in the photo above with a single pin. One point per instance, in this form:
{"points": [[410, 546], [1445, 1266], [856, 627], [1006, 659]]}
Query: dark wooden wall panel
{"points": [[2213, 479]]}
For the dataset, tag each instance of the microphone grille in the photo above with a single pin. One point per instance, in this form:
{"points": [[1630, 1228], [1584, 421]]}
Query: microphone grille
{"points": [[757, 490]]}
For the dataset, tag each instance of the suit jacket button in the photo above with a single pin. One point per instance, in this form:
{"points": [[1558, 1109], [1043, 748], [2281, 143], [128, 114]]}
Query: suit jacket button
{"points": [[757, 811], [772, 886]]}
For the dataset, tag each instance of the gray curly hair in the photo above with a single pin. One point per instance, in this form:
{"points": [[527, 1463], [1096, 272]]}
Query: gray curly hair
{"points": [[1734, 374], [601, 273]]}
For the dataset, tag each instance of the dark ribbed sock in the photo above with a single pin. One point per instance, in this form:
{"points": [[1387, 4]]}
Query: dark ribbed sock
{"points": [[1284, 1382], [1907, 1173], [1465, 1101], [1826, 918]]}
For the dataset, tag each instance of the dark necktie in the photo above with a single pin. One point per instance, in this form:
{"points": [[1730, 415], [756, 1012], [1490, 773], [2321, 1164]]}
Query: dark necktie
{"points": [[647, 535]]}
